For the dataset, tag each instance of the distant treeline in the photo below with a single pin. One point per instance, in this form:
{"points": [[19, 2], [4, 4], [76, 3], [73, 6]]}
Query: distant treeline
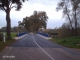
{"points": [[13, 29]]}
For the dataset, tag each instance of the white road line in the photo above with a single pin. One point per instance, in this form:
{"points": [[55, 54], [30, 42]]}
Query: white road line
{"points": [[42, 49], [8, 51], [11, 47]]}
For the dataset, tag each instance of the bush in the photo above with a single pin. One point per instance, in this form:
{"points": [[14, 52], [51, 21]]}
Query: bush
{"points": [[1, 37]]}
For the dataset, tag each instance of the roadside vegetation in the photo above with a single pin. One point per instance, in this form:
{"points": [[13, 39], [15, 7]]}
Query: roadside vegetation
{"points": [[8, 42], [4, 44], [13, 34], [71, 42]]}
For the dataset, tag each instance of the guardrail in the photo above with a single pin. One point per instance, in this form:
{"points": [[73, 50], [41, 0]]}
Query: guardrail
{"points": [[22, 33], [44, 34]]}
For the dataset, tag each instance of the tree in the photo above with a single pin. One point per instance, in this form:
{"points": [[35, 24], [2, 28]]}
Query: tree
{"points": [[15, 29], [7, 5], [3, 29], [70, 9], [75, 8], [20, 26], [36, 21], [26, 23], [39, 20], [65, 5]]}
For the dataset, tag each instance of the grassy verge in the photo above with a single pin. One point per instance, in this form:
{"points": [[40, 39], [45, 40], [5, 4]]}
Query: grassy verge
{"points": [[4, 44], [8, 42], [72, 42], [13, 34]]}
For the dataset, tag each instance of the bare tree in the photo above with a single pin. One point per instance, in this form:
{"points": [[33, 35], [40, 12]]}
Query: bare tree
{"points": [[70, 10]]}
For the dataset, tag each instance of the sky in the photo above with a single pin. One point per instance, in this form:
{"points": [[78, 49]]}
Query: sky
{"points": [[49, 6]]}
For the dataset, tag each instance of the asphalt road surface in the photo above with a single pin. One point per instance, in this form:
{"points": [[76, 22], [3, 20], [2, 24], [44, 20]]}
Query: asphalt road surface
{"points": [[34, 47]]}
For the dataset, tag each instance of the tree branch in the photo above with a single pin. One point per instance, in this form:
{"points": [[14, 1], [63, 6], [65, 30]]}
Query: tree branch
{"points": [[10, 4], [12, 7], [4, 9]]}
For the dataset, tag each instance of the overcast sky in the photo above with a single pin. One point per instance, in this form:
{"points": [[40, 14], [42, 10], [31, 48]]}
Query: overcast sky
{"points": [[49, 6]]}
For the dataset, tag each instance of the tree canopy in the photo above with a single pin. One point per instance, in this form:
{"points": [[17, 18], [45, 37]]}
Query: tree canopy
{"points": [[7, 5], [35, 22]]}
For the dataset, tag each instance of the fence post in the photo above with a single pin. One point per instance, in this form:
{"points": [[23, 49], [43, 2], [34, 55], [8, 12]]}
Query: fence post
{"points": [[4, 40]]}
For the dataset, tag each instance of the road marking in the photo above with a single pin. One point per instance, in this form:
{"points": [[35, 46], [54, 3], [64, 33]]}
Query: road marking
{"points": [[42, 49], [11, 47], [8, 51]]}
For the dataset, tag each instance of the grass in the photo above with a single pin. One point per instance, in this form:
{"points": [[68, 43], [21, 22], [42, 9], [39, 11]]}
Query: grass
{"points": [[72, 42], [4, 44], [13, 34], [8, 42]]}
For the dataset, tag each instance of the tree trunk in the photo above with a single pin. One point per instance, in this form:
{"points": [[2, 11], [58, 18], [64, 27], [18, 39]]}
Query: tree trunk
{"points": [[72, 32], [8, 24], [76, 34]]}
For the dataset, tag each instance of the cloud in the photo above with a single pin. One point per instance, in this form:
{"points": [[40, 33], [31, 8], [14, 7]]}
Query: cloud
{"points": [[54, 23], [28, 8]]}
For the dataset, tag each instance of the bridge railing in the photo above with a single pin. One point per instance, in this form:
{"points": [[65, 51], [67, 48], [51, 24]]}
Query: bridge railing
{"points": [[21, 33], [44, 34]]}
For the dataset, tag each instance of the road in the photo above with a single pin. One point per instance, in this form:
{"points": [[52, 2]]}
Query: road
{"points": [[34, 47]]}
